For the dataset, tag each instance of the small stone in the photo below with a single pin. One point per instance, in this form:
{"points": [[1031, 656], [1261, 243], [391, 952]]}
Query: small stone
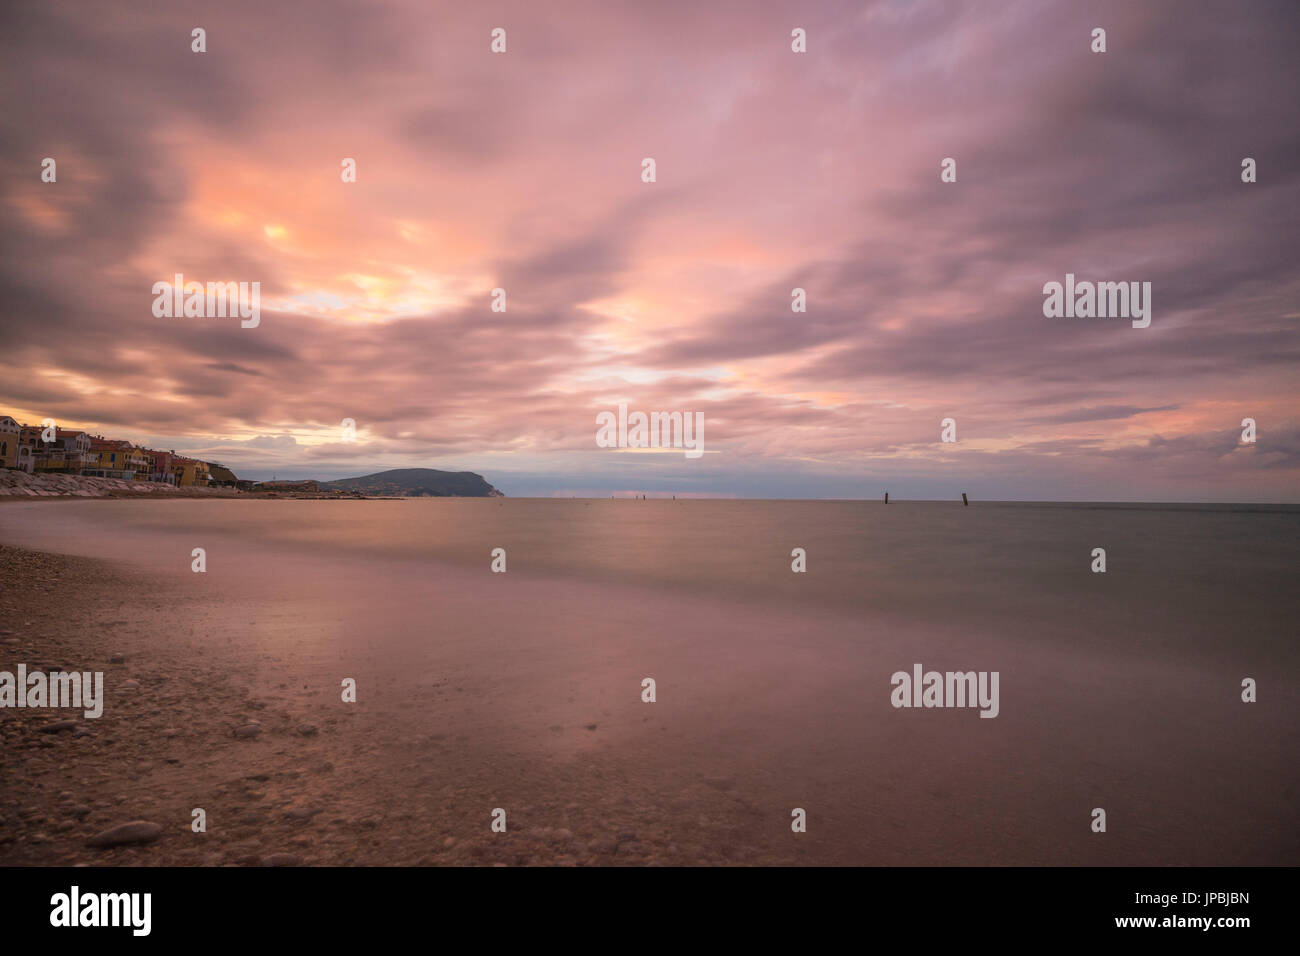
{"points": [[448, 843], [58, 725], [117, 659], [131, 685], [248, 730], [307, 730], [282, 859], [137, 831]]}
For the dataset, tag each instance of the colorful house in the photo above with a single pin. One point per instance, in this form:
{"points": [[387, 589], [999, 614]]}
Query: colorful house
{"points": [[28, 441], [69, 453], [10, 440], [190, 472]]}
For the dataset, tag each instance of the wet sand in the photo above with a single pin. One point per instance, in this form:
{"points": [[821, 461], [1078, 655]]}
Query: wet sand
{"points": [[522, 691]]}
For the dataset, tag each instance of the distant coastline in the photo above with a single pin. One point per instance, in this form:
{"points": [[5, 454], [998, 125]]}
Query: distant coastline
{"points": [[408, 483]]}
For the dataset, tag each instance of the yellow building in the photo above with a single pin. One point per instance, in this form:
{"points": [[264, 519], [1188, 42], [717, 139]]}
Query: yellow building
{"points": [[190, 472], [119, 459]]}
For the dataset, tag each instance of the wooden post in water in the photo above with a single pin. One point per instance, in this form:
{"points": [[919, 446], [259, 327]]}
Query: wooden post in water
{"points": [[963, 499], [886, 497]]}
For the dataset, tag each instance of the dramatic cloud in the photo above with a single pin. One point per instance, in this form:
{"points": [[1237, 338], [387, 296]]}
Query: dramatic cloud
{"points": [[775, 170]]}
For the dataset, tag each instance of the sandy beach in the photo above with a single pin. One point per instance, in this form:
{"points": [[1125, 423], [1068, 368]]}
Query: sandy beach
{"points": [[521, 691]]}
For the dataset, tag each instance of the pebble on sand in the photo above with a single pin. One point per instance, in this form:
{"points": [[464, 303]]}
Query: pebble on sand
{"points": [[137, 831], [58, 725], [248, 730]]}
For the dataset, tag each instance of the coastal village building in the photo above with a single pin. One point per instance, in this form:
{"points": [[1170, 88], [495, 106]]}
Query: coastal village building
{"points": [[75, 452], [190, 472], [28, 441], [68, 454], [119, 459], [10, 436], [164, 467]]}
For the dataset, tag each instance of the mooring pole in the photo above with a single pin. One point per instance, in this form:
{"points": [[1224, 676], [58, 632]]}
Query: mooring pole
{"points": [[886, 497], [963, 498]]}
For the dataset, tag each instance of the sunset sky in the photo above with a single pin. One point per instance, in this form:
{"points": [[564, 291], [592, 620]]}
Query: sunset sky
{"points": [[775, 170]]}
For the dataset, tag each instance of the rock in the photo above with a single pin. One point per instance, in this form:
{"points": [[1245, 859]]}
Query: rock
{"points": [[307, 730], [282, 859], [589, 726], [448, 843], [126, 834], [248, 730], [117, 659], [57, 726], [131, 685], [80, 811], [302, 814]]}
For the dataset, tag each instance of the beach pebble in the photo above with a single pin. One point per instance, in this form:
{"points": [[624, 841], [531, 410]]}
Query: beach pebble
{"points": [[131, 685], [282, 859], [307, 730], [248, 730], [57, 726], [137, 831], [302, 813], [117, 659]]}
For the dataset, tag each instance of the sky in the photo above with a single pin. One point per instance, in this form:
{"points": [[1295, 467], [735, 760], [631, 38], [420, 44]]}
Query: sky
{"points": [[774, 170]]}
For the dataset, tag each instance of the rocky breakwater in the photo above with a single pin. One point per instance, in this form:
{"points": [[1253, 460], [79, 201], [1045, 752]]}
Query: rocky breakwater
{"points": [[20, 484]]}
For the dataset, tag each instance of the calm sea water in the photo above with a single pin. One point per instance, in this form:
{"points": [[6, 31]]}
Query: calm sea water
{"points": [[523, 689], [1197, 577]]}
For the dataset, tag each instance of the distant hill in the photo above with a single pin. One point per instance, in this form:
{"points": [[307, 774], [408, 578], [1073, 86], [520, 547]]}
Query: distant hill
{"points": [[418, 483]]}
